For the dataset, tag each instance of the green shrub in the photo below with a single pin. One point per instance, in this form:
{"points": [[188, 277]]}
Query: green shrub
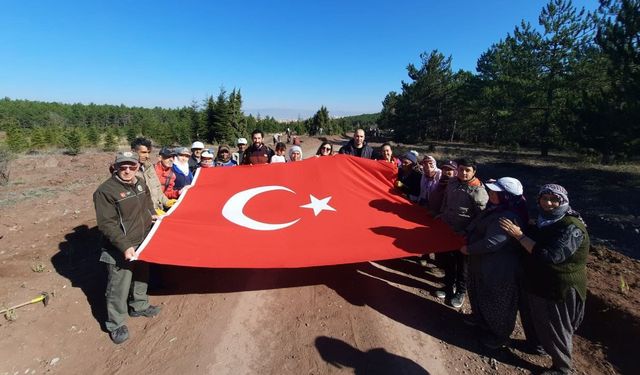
{"points": [[73, 141], [17, 140], [110, 142]]}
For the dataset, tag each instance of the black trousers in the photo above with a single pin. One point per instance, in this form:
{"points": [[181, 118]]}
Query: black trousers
{"points": [[455, 267]]}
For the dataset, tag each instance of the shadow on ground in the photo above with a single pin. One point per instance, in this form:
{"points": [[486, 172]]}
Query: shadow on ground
{"points": [[375, 361], [78, 260], [379, 286], [614, 330]]}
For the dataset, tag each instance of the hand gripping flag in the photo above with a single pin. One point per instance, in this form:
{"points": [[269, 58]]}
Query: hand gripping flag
{"points": [[320, 211]]}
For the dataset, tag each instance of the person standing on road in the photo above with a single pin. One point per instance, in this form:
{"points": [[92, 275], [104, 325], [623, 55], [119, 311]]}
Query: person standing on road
{"points": [[555, 274], [325, 149], [147, 172], [242, 146], [166, 176], [206, 159], [295, 153], [124, 214], [258, 152], [181, 169], [494, 260], [357, 146], [430, 178], [223, 158], [386, 154], [464, 199], [280, 155], [194, 160], [409, 177]]}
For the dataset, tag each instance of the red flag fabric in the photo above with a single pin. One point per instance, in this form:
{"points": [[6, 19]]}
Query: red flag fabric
{"points": [[319, 211]]}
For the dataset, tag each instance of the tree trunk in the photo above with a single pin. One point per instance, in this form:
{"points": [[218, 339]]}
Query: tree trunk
{"points": [[544, 129]]}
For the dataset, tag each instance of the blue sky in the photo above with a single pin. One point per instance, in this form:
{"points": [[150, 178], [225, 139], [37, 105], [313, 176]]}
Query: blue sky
{"points": [[287, 57]]}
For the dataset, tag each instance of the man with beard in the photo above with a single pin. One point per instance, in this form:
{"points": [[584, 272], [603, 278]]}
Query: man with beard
{"points": [[258, 152], [357, 146]]}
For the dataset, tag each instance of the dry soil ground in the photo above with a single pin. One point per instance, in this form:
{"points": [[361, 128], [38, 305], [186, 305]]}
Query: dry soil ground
{"points": [[361, 318]]}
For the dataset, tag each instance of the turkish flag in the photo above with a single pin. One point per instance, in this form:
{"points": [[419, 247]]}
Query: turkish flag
{"points": [[319, 211]]}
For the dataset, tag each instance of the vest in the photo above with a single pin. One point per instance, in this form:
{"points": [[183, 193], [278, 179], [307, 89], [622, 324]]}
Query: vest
{"points": [[553, 281]]}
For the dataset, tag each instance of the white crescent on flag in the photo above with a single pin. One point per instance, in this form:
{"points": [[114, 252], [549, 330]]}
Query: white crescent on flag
{"points": [[233, 209]]}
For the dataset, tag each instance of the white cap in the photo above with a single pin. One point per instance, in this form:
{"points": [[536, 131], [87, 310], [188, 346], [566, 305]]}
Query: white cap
{"points": [[197, 144], [241, 141], [508, 184], [206, 155]]}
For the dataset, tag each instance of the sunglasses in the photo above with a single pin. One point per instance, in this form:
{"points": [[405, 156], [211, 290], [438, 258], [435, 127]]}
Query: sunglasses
{"points": [[326, 148], [131, 168]]}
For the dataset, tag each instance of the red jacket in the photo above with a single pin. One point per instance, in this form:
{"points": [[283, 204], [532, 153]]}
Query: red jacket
{"points": [[167, 186]]}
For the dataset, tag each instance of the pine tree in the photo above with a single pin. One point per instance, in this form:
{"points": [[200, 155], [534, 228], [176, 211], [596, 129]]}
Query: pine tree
{"points": [[210, 119], [110, 141], [236, 117], [221, 124], [92, 136], [38, 139], [565, 37], [319, 121], [16, 139], [132, 133], [73, 141]]}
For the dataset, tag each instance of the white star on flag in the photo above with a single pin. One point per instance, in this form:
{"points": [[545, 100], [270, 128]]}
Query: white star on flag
{"points": [[319, 205]]}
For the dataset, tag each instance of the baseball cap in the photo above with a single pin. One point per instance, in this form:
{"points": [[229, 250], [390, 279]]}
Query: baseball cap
{"points": [[182, 151], [126, 157], [166, 152], [449, 164], [242, 141], [508, 184], [197, 145]]}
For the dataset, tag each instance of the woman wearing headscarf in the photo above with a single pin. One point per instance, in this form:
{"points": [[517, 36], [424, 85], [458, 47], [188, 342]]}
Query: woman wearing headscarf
{"points": [[295, 153], [494, 258], [325, 149], [224, 157], [181, 168], [409, 176], [449, 170], [430, 178], [555, 273], [206, 159]]}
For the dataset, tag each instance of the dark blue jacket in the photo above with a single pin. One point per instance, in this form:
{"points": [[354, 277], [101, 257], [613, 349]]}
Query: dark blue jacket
{"points": [[181, 179]]}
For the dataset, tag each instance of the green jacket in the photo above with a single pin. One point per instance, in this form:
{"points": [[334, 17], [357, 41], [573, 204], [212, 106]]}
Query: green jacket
{"points": [[123, 212], [558, 261]]}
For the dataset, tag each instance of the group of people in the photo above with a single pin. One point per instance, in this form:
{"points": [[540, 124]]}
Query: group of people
{"points": [[508, 264]]}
